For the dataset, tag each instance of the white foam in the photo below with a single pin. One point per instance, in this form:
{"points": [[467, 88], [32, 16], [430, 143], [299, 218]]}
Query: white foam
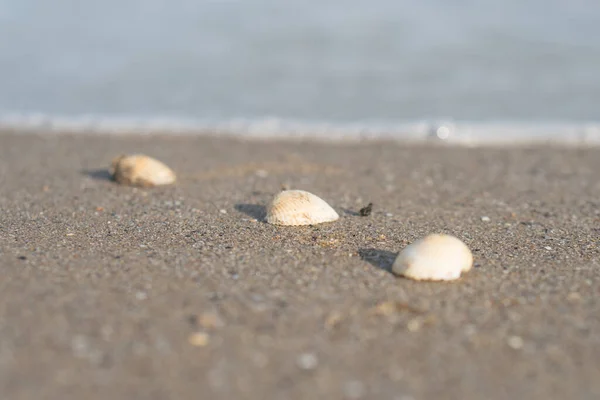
{"points": [[457, 133]]}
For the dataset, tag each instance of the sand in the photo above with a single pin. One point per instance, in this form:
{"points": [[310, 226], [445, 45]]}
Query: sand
{"points": [[113, 292]]}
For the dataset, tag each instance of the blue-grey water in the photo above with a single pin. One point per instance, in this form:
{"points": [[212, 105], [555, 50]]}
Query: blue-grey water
{"points": [[332, 61]]}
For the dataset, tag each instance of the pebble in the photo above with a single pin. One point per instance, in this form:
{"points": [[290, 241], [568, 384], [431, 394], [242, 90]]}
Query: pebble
{"points": [[333, 320], [485, 219], [414, 325], [548, 248], [307, 361], [386, 308], [223, 211], [210, 320], [515, 342], [574, 297], [199, 339]]}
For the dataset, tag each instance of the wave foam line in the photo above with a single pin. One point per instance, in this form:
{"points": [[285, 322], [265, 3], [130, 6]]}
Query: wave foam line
{"points": [[460, 133]]}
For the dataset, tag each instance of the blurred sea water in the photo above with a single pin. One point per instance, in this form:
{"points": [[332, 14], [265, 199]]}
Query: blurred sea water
{"points": [[484, 69]]}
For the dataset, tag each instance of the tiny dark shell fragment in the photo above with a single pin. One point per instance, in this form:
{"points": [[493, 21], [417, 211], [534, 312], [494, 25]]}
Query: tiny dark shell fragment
{"points": [[366, 211]]}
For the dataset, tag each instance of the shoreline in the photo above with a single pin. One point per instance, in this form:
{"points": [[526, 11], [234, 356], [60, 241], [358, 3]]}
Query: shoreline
{"points": [[443, 131], [105, 285]]}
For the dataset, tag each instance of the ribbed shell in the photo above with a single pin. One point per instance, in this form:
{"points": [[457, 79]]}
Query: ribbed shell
{"points": [[140, 170], [297, 207], [436, 257]]}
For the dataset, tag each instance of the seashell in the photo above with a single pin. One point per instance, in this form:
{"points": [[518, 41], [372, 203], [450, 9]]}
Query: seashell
{"points": [[140, 170], [436, 258], [297, 207]]}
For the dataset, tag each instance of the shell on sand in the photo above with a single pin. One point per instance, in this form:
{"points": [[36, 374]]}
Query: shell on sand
{"points": [[140, 170], [297, 207], [435, 257]]}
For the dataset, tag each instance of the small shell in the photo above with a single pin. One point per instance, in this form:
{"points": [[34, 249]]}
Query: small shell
{"points": [[435, 258], [297, 207], [140, 170]]}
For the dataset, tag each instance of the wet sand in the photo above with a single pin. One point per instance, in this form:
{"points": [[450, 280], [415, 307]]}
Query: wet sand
{"points": [[102, 285]]}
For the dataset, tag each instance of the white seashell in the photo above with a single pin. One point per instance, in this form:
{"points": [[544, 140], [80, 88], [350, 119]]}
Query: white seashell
{"points": [[140, 170], [436, 258], [297, 207]]}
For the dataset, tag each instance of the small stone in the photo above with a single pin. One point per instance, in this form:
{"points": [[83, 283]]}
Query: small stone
{"points": [[223, 211], [385, 308], [574, 297], [390, 307], [414, 325], [515, 342], [389, 214], [548, 248], [210, 321], [333, 320], [307, 361], [485, 219], [199, 339]]}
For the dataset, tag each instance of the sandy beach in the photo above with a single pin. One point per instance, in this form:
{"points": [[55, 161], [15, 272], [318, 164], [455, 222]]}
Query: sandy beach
{"points": [[183, 292]]}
